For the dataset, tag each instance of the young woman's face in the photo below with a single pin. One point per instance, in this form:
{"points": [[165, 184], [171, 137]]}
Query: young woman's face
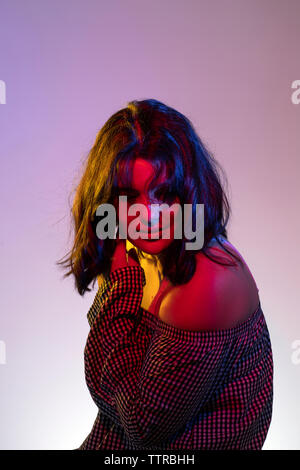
{"points": [[143, 173]]}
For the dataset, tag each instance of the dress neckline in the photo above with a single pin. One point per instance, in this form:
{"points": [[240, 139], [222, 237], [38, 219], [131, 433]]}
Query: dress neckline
{"points": [[154, 321]]}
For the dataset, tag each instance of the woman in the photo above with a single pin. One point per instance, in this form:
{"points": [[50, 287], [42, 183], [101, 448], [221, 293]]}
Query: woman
{"points": [[178, 355]]}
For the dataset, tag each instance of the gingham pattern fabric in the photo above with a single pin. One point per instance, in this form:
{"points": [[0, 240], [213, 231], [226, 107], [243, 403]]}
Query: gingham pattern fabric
{"points": [[158, 387]]}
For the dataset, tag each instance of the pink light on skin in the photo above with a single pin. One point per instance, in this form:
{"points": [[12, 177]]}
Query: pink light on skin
{"points": [[142, 175]]}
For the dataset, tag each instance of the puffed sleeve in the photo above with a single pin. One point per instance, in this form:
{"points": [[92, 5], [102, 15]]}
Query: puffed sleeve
{"points": [[152, 385]]}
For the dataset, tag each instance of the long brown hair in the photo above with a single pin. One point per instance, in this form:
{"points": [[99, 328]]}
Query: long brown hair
{"points": [[154, 131]]}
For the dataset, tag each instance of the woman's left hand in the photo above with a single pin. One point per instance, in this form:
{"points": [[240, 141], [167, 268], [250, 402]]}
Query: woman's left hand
{"points": [[119, 258]]}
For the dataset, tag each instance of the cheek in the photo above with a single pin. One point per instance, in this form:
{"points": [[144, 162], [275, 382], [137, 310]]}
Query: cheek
{"points": [[171, 221], [123, 218], [173, 218], [177, 220], [122, 212]]}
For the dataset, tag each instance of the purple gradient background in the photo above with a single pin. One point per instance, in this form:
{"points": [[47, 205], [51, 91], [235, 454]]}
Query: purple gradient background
{"points": [[68, 66]]}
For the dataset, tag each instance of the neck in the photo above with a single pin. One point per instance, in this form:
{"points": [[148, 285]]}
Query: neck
{"points": [[153, 259]]}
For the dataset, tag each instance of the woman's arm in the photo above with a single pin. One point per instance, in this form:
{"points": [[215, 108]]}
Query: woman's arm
{"points": [[150, 384]]}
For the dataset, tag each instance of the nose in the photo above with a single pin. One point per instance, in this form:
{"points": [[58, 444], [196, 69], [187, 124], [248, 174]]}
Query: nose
{"points": [[152, 214]]}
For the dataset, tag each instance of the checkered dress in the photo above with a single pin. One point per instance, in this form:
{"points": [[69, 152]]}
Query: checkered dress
{"points": [[158, 387]]}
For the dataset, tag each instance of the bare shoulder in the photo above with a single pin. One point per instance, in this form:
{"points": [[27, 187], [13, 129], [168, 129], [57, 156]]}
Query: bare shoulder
{"points": [[217, 296]]}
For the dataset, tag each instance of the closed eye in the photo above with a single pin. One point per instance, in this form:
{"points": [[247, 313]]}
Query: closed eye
{"points": [[161, 193], [165, 195], [129, 192]]}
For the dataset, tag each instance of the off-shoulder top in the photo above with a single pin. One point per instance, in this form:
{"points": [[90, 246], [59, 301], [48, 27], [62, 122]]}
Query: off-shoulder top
{"points": [[158, 387]]}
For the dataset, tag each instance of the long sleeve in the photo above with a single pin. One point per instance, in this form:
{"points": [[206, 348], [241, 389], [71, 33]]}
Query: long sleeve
{"points": [[150, 384]]}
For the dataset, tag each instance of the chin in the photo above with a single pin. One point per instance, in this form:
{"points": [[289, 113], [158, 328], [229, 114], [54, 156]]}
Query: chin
{"points": [[151, 247]]}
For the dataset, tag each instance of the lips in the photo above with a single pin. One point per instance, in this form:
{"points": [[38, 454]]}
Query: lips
{"points": [[145, 229], [154, 232], [158, 233], [154, 229]]}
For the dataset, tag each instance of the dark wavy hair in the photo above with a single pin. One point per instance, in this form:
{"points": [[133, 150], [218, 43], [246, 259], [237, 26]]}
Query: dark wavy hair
{"points": [[158, 133]]}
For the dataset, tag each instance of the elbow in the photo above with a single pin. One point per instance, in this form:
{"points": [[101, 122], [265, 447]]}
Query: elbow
{"points": [[147, 438], [146, 441]]}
